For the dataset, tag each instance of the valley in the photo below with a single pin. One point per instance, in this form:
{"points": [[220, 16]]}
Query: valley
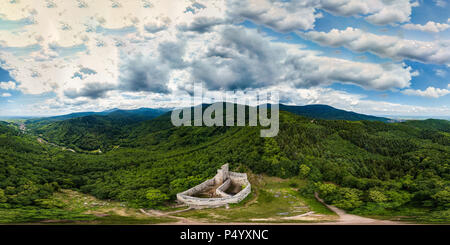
{"points": [[106, 167]]}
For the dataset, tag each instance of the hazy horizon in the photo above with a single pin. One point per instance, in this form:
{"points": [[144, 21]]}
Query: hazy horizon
{"points": [[396, 117], [375, 58]]}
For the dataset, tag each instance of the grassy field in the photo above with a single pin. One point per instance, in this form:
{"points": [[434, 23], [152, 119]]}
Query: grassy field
{"points": [[272, 200], [411, 215], [71, 207]]}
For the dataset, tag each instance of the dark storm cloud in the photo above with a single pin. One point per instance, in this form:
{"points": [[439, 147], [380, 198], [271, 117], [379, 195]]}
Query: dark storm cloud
{"points": [[90, 90], [241, 59], [154, 28], [144, 74], [172, 54], [244, 59], [202, 24]]}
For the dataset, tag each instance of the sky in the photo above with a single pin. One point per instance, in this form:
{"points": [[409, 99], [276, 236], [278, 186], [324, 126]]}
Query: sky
{"points": [[379, 57]]}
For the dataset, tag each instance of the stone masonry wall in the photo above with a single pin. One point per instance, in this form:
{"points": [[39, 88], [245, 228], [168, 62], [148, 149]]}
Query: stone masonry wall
{"points": [[220, 191], [224, 177]]}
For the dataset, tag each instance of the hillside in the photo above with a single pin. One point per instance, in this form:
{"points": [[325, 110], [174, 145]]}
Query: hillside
{"points": [[431, 124], [330, 113], [365, 167], [90, 131], [140, 114]]}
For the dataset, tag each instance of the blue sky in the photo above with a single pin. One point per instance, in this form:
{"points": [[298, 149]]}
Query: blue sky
{"points": [[375, 57]]}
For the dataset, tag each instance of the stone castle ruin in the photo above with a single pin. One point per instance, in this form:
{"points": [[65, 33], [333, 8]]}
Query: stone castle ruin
{"points": [[226, 187]]}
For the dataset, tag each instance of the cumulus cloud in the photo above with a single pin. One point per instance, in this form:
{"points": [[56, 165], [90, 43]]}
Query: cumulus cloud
{"points": [[172, 53], [202, 24], [440, 3], [50, 42], [160, 24], [391, 12], [154, 28], [319, 70], [430, 26], [83, 73], [135, 53], [356, 102], [435, 52], [240, 59], [297, 96], [6, 95], [430, 92], [90, 90], [7, 85], [141, 73], [378, 12], [284, 16], [73, 43], [440, 72]]}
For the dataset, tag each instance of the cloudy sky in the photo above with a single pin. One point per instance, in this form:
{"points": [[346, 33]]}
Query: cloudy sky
{"points": [[381, 57]]}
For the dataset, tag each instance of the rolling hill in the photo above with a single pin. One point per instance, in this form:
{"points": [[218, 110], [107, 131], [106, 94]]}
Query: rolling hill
{"points": [[140, 114], [330, 113], [89, 131], [365, 167]]}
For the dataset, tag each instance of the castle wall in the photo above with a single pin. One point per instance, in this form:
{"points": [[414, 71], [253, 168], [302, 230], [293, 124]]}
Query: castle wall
{"points": [[220, 191], [240, 178], [198, 188], [222, 174], [226, 178]]}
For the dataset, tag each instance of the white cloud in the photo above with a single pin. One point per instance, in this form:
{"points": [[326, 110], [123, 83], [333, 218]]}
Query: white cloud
{"points": [[106, 42], [287, 16], [440, 72], [430, 26], [430, 92], [357, 102], [377, 12], [7, 85], [279, 15], [440, 3], [436, 52], [99, 54], [391, 12], [6, 95], [53, 42], [239, 58], [289, 95]]}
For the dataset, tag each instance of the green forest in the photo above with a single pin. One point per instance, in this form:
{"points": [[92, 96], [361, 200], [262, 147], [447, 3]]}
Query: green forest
{"points": [[368, 168]]}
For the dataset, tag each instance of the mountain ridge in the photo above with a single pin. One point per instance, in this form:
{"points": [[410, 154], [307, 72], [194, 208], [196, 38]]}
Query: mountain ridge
{"points": [[370, 167], [321, 111]]}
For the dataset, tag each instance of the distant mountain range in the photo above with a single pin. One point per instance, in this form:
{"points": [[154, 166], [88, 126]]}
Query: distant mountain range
{"points": [[102, 130], [330, 113], [119, 155], [141, 114]]}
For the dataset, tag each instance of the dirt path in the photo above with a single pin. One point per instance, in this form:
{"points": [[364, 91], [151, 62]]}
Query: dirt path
{"points": [[350, 219], [344, 218], [181, 220], [42, 141]]}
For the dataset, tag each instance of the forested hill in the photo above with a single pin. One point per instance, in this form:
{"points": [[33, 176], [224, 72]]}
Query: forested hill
{"points": [[431, 124], [89, 131], [364, 167], [103, 131], [331, 113], [140, 114]]}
